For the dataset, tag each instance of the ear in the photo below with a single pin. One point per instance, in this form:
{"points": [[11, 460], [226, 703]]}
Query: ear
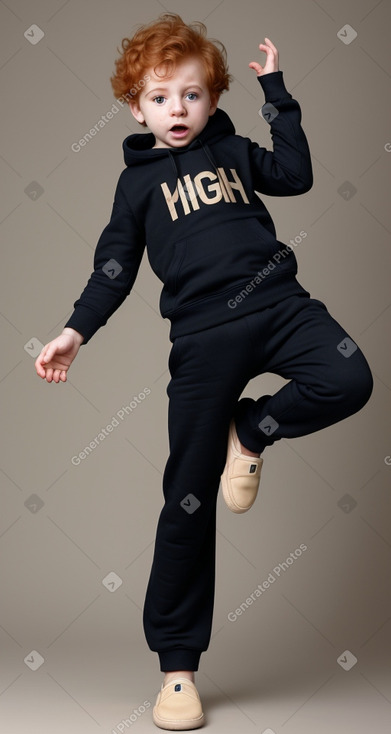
{"points": [[213, 105], [136, 111]]}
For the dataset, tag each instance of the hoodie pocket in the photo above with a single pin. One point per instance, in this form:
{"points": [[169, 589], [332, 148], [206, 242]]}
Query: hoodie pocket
{"points": [[265, 239], [215, 260], [172, 279]]}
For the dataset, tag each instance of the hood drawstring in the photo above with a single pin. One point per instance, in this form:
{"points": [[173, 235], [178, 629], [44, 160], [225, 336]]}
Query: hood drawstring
{"points": [[208, 153], [172, 160]]}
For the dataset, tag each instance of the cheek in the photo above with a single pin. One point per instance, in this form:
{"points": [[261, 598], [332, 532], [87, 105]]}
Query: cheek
{"points": [[204, 112]]}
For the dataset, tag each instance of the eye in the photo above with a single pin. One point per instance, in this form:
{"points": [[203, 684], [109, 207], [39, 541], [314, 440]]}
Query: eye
{"points": [[193, 95], [159, 100]]}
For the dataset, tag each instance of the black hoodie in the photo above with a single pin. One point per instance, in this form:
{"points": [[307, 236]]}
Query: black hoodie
{"points": [[209, 237]]}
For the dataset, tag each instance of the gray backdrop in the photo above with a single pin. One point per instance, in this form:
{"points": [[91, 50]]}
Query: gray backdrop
{"points": [[76, 535]]}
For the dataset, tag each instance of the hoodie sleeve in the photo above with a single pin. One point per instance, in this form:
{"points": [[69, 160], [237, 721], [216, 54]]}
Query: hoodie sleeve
{"points": [[287, 170], [116, 263]]}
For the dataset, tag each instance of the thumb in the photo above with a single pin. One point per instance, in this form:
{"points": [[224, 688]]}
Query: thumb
{"points": [[49, 354]]}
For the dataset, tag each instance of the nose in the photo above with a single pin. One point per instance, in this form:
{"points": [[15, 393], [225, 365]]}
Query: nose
{"points": [[177, 107]]}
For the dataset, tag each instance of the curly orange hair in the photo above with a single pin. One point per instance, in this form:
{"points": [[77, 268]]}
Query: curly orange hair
{"points": [[165, 42]]}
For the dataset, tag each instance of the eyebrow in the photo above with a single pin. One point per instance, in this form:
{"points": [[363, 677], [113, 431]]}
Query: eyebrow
{"points": [[164, 89]]}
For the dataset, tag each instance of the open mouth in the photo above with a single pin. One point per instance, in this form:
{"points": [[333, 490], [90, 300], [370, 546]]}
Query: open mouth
{"points": [[179, 129]]}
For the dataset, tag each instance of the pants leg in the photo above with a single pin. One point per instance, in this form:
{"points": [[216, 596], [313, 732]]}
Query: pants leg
{"points": [[209, 371], [330, 378]]}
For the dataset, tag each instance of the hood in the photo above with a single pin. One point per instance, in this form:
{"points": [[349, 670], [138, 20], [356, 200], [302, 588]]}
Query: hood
{"points": [[138, 149]]}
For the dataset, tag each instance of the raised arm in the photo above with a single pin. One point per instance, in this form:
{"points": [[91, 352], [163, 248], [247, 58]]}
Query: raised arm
{"points": [[287, 170]]}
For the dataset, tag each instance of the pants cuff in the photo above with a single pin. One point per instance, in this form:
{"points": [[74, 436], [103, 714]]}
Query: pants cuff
{"points": [[249, 435], [178, 659]]}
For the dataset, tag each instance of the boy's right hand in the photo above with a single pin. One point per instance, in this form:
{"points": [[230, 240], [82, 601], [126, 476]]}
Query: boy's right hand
{"points": [[56, 357]]}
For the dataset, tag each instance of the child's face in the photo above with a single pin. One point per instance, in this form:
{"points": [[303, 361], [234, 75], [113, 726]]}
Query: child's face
{"points": [[181, 99]]}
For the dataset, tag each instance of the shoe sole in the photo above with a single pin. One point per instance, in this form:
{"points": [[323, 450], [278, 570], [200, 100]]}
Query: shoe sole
{"points": [[177, 725]]}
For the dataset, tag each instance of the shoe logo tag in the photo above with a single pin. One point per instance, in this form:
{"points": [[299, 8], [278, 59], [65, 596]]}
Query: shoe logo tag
{"points": [[178, 687], [252, 469]]}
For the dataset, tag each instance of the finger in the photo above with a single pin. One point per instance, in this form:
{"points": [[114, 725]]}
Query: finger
{"points": [[56, 375], [272, 46], [267, 46], [39, 368], [49, 374], [48, 354], [63, 376], [270, 52], [269, 49], [257, 67], [38, 361]]}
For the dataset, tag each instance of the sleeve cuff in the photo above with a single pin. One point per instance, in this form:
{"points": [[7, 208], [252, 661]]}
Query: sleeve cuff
{"points": [[85, 321], [273, 86]]}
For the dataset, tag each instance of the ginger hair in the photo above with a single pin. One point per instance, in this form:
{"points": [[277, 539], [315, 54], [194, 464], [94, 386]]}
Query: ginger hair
{"points": [[165, 42]]}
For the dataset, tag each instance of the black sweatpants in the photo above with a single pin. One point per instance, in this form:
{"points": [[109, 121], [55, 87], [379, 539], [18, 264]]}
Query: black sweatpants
{"points": [[329, 379]]}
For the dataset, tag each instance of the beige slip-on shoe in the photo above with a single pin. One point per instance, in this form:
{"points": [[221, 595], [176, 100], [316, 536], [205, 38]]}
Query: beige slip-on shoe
{"points": [[178, 706], [241, 475]]}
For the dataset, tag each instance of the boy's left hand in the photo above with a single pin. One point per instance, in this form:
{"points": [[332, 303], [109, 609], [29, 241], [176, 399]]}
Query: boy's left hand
{"points": [[271, 59]]}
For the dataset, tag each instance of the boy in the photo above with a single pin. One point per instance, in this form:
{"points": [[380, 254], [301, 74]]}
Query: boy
{"points": [[236, 311]]}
